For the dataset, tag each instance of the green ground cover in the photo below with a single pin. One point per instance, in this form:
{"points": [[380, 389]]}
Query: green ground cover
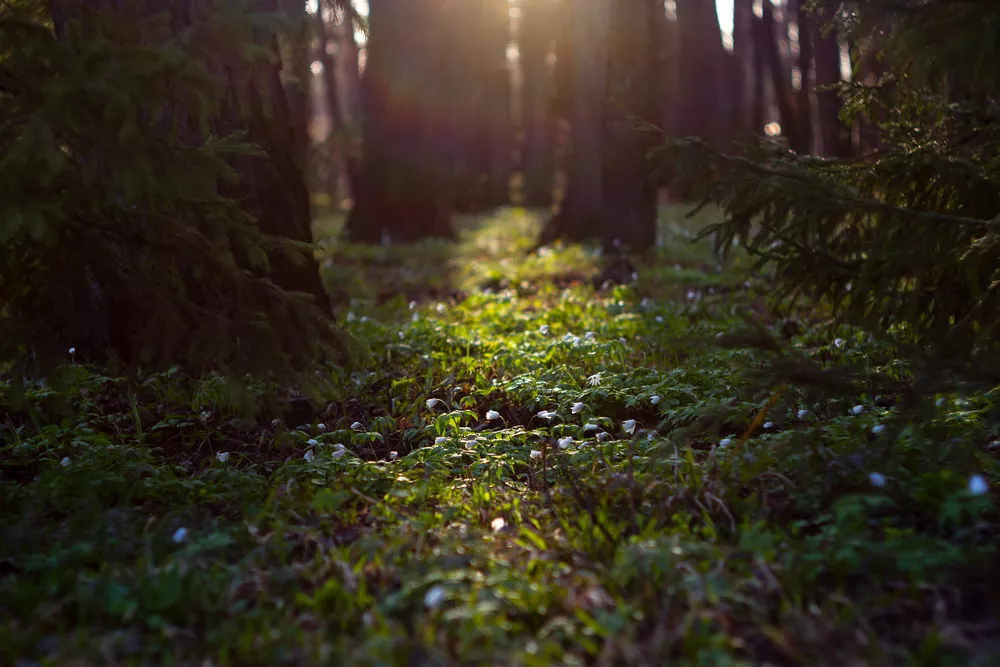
{"points": [[531, 472]]}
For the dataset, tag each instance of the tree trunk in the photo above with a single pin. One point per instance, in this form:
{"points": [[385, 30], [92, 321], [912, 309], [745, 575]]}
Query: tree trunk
{"points": [[781, 81], [537, 161], [333, 101], [405, 182], [705, 94], [835, 133], [581, 213], [805, 115]]}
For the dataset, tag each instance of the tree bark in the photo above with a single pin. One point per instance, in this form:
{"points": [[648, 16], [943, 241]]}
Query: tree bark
{"points": [[705, 97], [835, 133], [405, 183], [805, 70], [333, 101], [537, 161], [781, 81]]}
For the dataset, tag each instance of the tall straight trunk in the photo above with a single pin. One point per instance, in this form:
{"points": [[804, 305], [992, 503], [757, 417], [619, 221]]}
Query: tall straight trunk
{"points": [[296, 77], [333, 101], [581, 214], [835, 133], [781, 81], [743, 70], [805, 115], [405, 183], [705, 93], [535, 45]]}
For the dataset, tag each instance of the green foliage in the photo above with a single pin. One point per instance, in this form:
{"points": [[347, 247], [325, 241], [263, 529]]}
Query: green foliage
{"points": [[403, 525], [121, 222], [903, 242]]}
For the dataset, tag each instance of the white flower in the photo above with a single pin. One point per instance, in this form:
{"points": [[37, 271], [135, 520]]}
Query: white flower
{"points": [[275, 423], [590, 427], [978, 485], [364, 318], [940, 402], [180, 534], [878, 428], [309, 456], [659, 319], [400, 334], [434, 597], [654, 399], [439, 308], [621, 339], [469, 444], [576, 408], [72, 350], [838, 342], [65, 463], [877, 479], [415, 317], [725, 442], [491, 415], [357, 426], [768, 425], [692, 295], [413, 304], [338, 447], [393, 455], [351, 316], [564, 442], [858, 409], [321, 427], [222, 457], [544, 329], [337, 453], [629, 426], [441, 441], [635, 276], [646, 303], [204, 416], [594, 380], [431, 402], [535, 453], [602, 436], [312, 442], [498, 524], [547, 414], [590, 335], [802, 414]]}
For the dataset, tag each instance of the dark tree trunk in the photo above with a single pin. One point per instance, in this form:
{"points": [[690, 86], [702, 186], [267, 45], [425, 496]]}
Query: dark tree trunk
{"points": [[780, 80], [333, 101], [297, 77], [581, 213], [536, 42], [744, 72], [835, 133], [705, 95], [805, 69], [405, 183]]}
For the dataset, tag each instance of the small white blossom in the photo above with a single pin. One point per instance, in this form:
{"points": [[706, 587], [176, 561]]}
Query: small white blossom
{"points": [[338, 447], [441, 441], [275, 423], [563, 443], [659, 319], [222, 457], [591, 427], [725, 442], [65, 463], [629, 426], [877, 479], [351, 316], [312, 442], [940, 402], [358, 426], [498, 524], [978, 485], [415, 317], [602, 436], [321, 427], [654, 399], [590, 335], [204, 416], [72, 350], [337, 453], [547, 414], [180, 534], [577, 408], [364, 318], [491, 415], [646, 303], [431, 402], [469, 444], [635, 276], [434, 597], [544, 329], [413, 304], [400, 334], [802, 414], [858, 409], [768, 425], [535, 453], [838, 342], [309, 456], [594, 380], [393, 455], [440, 308], [878, 428]]}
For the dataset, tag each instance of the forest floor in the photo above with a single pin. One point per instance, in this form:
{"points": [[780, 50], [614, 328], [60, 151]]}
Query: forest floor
{"points": [[531, 472]]}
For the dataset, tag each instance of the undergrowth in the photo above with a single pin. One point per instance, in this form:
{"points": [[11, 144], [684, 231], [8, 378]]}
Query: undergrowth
{"points": [[535, 472]]}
